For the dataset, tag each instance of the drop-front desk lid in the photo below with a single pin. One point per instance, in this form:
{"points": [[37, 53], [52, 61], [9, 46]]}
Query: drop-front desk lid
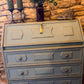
{"points": [[47, 32]]}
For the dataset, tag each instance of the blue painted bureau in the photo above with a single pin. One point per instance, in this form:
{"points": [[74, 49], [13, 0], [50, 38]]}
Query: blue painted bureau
{"points": [[49, 52]]}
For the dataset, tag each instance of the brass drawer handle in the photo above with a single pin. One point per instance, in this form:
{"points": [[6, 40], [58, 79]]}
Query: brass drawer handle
{"points": [[66, 70], [22, 73], [20, 58], [67, 55]]}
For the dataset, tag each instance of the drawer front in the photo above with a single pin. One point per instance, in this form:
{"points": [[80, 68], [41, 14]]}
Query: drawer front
{"points": [[42, 71], [50, 81], [44, 55]]}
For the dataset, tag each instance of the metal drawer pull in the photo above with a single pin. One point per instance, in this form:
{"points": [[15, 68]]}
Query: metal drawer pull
{"points": [[67, 55], [20, 58], [66, 70], [22, 73]]}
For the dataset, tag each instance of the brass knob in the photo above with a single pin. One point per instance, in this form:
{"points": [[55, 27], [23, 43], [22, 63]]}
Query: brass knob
{"points": [[22, 73], [20, 58], [66, 70], [67, 55]]}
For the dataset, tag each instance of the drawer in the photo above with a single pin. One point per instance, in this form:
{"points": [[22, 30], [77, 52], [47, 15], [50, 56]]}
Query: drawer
{"points": [[60, 55], [50, 81], [44, 71]]}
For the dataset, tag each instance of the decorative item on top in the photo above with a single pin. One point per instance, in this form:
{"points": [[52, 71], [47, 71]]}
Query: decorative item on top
{"points": [[11, 8], [39, 8], [20, 8]]}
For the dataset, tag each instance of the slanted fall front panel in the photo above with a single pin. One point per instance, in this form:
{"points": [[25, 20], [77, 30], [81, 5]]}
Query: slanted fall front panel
{"points": [[52, 32]]}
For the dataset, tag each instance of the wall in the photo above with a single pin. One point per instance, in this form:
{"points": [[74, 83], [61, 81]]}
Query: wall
{"points": [[50, 13]]}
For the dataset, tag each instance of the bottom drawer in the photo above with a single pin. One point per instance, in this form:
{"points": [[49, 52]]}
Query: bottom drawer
{"points": [[50, 81]]}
